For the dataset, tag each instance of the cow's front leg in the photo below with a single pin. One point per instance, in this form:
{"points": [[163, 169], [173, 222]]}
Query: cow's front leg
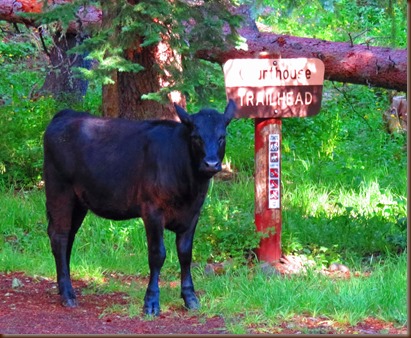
{"points": [[184, 242], [156, 258]]}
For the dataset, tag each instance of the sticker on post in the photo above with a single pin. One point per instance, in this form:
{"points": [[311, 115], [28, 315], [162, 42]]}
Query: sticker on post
{"points": [[274, 171]]}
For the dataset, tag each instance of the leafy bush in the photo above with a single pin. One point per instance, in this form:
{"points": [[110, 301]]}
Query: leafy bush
{"points": [[372, 23], [21, 153], [24, 115], [226, 227]]}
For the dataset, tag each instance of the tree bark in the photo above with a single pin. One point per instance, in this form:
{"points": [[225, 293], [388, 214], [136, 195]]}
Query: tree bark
{"points": [[132, 86], [60, 81], [124, 97], [344, 62]]}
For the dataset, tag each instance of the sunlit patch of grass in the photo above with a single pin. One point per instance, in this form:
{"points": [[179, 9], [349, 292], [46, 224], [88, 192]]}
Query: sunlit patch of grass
{"points": [[278, 298]]}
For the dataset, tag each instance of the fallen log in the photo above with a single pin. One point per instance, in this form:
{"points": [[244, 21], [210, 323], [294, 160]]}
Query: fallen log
{"points": [[344, 62]]}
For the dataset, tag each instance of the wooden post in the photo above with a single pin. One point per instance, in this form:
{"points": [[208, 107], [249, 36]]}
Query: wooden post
{"points": [[267, 219]]}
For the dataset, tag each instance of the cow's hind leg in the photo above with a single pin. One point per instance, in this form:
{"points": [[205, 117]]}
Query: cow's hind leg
{"points": [[65, 217], [156, 257], [184, 242], [77, 217]]}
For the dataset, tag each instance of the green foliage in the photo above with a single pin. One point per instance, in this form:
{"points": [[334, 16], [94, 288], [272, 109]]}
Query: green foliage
{"points": [[64, 13], [203, 85], [344, 179], [10, 51], [185, 26], [240, 149], [22, 126], [22, 120], [21, 155], [22, 232], [23, 115], [370, 22]]}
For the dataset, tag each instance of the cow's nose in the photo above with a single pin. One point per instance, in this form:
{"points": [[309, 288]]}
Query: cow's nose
{"points": [[211, 165]]}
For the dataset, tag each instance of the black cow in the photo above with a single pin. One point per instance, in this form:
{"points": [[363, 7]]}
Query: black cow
{"points": [[121, 169]]}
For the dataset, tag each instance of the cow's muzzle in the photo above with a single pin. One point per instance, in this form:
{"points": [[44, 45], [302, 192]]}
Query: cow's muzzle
{"points": [[210, 167]]}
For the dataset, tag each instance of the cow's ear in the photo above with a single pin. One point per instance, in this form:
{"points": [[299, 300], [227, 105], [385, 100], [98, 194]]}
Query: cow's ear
{"points": [[229, 111], [183, 115]]}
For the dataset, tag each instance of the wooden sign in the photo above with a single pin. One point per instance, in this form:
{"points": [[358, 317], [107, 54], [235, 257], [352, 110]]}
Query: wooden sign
{"points": [[275, 88]]}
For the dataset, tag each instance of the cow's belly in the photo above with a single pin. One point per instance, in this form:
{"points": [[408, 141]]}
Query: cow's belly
{"points": [[107, 205]]}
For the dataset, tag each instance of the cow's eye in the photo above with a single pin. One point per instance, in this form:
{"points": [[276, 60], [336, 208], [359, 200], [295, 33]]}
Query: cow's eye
{"points": [[197, 139], [221, 140]]}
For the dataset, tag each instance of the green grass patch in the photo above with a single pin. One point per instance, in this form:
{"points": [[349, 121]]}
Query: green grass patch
{"points": [[262, 299]]}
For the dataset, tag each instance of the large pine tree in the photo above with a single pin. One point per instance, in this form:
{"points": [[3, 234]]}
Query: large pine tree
{"points": [[142, 48]]}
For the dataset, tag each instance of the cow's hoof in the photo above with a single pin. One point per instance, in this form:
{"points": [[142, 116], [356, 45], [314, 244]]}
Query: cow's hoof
{"points": [[71, 302], [192, 303], [152, 303], [151, 310]]}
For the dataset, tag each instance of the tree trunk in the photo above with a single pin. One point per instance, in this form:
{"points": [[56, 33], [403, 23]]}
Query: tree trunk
{"points": [[124, 98], [130, 87], [60, 81], [111, 94]]}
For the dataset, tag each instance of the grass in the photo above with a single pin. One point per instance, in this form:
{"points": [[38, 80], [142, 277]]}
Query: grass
{"points": [[245, 297], [270, 299], [23, 231], [120, 247]]}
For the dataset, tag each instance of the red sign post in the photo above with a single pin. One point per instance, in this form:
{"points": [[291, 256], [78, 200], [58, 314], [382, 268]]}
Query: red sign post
{"points": [[268, 90]]}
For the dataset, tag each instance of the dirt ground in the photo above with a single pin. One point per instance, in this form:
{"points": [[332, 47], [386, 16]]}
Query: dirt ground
{"points": [[31, 306]]}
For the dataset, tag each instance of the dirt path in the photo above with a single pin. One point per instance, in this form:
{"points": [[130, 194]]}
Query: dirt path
{"points": [[31, 306]]}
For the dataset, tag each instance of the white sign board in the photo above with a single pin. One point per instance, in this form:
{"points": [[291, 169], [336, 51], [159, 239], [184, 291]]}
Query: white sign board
{"points": [[274, 195]]}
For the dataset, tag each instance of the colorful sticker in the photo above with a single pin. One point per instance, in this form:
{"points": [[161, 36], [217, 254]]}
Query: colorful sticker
{"points": [[274, 171]]}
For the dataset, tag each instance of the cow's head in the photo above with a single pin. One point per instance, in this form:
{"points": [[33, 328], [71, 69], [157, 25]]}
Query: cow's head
{"points": [[207, 136]]}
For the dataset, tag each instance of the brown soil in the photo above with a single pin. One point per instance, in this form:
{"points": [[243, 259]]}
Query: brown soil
{"points": [[31, 306]]}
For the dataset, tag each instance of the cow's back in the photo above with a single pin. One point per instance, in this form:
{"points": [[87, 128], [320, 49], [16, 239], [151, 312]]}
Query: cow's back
{"points": [[83, 141]]}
